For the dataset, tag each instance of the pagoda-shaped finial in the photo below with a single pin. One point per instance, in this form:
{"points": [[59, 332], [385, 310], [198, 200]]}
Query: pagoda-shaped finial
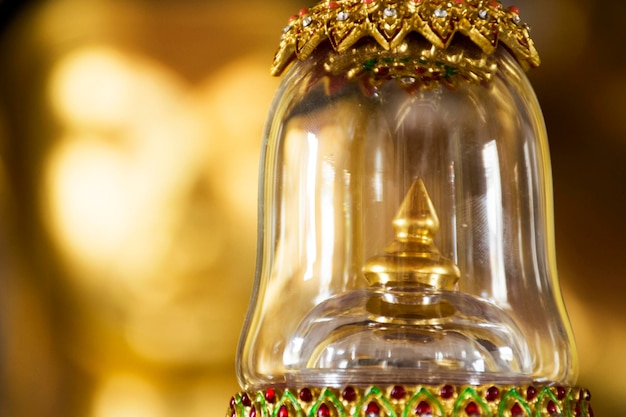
{"points": [[416, 220], [412, 258]]}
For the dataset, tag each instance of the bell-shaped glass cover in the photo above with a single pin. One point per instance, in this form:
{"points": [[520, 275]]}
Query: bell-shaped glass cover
{"points": [[406, 231]]}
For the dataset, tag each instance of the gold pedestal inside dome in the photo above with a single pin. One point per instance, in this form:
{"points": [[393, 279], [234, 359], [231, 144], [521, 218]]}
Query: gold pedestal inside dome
{"points": [[413, 260]]}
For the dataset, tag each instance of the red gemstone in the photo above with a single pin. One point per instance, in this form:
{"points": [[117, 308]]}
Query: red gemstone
{"points": [[270, 395], [282, 411], [447, 392], [349, 394], [245, 400], [333, 5], [531, 393], [417, 1], [492, 394], [382, 71], [472, 409], [423, 409], [588, 395], [495, 4], [551, 407], [398, 392], [459, 1], [368, 1], [253, 412], [305, 395], [323, 411], [560, 393], [514, 9], [233, 413], [372, 409], [577, 410], [232, 403], [516, 410], [303, 11], [590, 411]]}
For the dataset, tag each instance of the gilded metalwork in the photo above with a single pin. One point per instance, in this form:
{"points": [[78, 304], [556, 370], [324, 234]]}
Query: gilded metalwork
{"points": [[412, 259], [344, 23], [413, 66], [417, 400]]}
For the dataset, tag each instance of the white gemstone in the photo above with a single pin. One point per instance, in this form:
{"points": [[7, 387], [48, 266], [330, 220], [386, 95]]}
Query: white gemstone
{"points": [[483, 14], [390, 12], [407, 80], [307, 20], [440, 13], [342, 16], [517, 20]]}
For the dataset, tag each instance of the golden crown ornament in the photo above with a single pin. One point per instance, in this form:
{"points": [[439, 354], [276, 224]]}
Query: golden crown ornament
{"points": [[406, 252]]}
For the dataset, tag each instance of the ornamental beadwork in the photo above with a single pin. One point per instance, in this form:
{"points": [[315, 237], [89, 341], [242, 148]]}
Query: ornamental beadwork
{"points": [[389, 22], [413, 68], [420, 401]]}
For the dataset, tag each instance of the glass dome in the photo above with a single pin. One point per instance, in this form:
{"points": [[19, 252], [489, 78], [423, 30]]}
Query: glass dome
{"points": [[406, 231], [406, 258]]}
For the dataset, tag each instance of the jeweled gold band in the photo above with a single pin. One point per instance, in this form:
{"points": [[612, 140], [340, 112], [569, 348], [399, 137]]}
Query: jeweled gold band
{"points": [[421, 400], [412, 66], [388, 22]]}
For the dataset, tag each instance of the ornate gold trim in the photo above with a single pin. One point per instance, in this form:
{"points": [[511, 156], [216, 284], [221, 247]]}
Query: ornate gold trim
{"points": [[413, 67], [344, 22], [420, 400]]}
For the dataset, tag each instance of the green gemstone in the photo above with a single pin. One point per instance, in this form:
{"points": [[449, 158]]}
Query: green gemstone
{"points": [[449, 71], [370, 64]]}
